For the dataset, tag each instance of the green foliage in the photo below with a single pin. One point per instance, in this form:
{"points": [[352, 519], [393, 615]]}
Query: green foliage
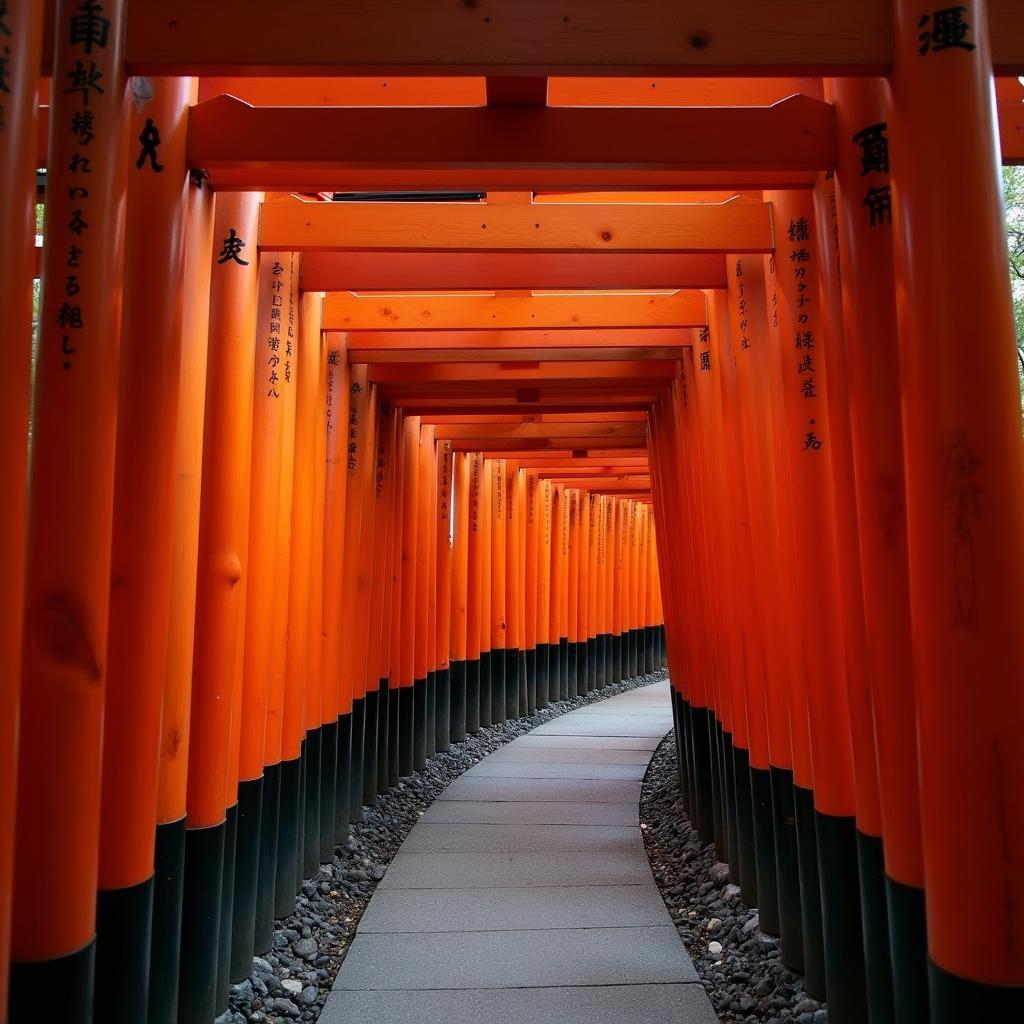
{"points": [[1013, 198]]}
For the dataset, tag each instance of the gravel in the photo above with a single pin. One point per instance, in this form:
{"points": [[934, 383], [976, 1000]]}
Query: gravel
{"points": [[292, 981], [738, 964]]}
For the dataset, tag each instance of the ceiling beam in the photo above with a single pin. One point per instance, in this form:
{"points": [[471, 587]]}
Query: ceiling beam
{"points": [[344, 311], [319, 147], [734, 227], [505, 342], [496, 374]]}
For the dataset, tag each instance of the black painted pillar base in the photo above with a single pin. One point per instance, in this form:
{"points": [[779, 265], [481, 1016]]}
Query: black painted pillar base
{"points": [[289, 831], [383, 733], [531, 680], [227, 893], [563, 668], [330, 805], [582, 668], [717, 788], [247, 867], [430, 713], [266, 886], [512, 683], [618, 653], [200, 925], [746, 851], [763, 828], [543, 675], [815, 977], [703, 786], [843, 929], [554, 672], [498, 709], [419, 727], [124, 921], [634, 653], [677, 726], [592, 657], [442, 709], [957, 1000], [602, 661], [394, 733], [339, 813], [729, 802], [311, 803], [457, 716], [357, 745], [67, 984], [371, 740], [524, 685], [406, 728], [787, 868], [486, 659], [473, 695], [874, 915], [572, 672], [165, 953], [908, 939]]}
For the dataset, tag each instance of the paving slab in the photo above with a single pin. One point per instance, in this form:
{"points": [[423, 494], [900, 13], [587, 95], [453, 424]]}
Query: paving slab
{"points": [[549, 812], [532, 790], [506, 769], [498, 909], [609, 1004], [529, 868], [611, 727], [430, 837], [551, 754], [534, 958], [648, 743]]}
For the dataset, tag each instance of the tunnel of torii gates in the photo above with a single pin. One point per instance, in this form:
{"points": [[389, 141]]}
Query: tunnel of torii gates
{"points": [[404, 370]]}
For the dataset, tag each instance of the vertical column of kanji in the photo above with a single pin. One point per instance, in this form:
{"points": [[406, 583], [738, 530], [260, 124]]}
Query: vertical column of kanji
{"points": [[745, 694], [315, 686], [460, 511], [965, 502], [806, 436], [407, 634], [68, 545], [349, 730], [273, 747], [306, 368], [443, 526], [169, 854], [572, 632], [395, 601], [424, 626], [333, 809], [20, 54], [264, 506], [499, 532], [869, 307], [220, 592], [474, 597], [141, 551], [364, 726], [767, 714], [544, 657], [844, 843], [515, 650], [384, 498], [486, 524], [531, 496]]}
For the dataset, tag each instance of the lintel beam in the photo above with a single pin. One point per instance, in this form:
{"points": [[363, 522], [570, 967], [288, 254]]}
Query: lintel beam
{"points": [[345, 311], [490, 374]]}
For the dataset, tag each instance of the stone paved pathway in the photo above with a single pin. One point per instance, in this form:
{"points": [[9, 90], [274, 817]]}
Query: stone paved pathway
{"points": [[524, 895]]}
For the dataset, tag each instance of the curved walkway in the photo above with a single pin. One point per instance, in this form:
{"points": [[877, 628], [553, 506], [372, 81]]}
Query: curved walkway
{"points": [[524, 895]]}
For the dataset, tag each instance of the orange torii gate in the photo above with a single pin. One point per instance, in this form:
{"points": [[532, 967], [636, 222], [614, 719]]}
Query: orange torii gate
{"points": [[839, 484]]}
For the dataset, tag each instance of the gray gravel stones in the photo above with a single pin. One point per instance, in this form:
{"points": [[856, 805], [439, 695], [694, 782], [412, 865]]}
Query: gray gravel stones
{"points": [[738, 964], [310, 945]]}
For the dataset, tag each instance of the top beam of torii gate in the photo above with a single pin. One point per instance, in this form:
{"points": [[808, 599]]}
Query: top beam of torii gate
{"points": [[517, 37]]}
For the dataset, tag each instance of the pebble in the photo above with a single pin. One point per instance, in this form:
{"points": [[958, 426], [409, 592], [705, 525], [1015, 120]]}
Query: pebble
{"points": [[740, 968], [293, 981]]}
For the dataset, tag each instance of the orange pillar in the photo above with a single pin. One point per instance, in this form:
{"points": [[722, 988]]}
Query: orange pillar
{"points": [[531, 583], [486, 588], [394, 624], [67, 575], [557, 689], [141, 553], [965, 502], [298, 660], [546, 659], [499, 566], [220, 591], [23, 21], [444, 528], [583, 515], [460, 512], [410, 512], [572, 593], [474, 593], [514, 559], [169, 861], [424, 525]]}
